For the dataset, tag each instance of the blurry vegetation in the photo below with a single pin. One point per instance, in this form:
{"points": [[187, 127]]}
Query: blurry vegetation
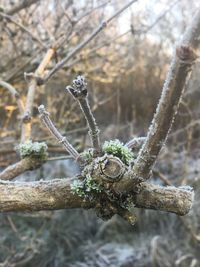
{"points": [[125, 73]]}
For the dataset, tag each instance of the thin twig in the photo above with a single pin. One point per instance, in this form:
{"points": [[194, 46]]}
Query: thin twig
{"points": [[25, 29], [44, 116], [21, 5], [79, 92], [85, 42]]}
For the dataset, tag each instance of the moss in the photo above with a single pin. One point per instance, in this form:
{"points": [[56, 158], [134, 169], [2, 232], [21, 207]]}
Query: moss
{"points": [[118, 149], [33, 149]]}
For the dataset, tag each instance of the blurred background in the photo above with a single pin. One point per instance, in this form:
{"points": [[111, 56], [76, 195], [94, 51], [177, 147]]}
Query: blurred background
{"points": [[125, 67]]}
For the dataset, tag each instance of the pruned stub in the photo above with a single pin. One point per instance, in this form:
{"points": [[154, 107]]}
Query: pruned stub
{"points": [[110, 168]]}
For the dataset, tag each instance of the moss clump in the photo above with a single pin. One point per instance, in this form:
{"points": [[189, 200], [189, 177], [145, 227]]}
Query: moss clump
{"points": [[33, 149], [118, 149]]}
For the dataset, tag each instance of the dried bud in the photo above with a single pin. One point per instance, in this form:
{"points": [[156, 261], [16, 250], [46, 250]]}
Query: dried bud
{"points": [[186, 53]]}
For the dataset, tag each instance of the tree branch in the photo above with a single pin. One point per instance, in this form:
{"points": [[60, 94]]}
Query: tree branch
{"points": [[19, 6], [180, 69], [44, 116], [32, 86], [57, 194], [20, 167], [79, 92], [85, 42]]}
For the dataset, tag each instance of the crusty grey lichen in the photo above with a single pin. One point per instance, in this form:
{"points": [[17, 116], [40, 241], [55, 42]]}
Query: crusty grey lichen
{"points": [[33, 149]]}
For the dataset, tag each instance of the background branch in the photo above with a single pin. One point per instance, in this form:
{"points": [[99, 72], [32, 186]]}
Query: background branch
{"points": [[15, 94], [85, 42], [19, 6]]}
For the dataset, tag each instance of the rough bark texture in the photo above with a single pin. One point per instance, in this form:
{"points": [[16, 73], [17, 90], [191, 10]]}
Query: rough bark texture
{"points": [[20, 167], [171, 199], [57, 194], [41, 195]]}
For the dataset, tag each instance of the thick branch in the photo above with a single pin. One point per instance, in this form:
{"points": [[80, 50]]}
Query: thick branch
{"points": [[57, 194], [20, 167], [42, 195], [172, 91], [170, 199]]}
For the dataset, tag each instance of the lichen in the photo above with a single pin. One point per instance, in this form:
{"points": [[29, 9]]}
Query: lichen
{"points": [[91, 185], [33, 149], [87, 188], [118, 149], [77, 188], [88, 155]]}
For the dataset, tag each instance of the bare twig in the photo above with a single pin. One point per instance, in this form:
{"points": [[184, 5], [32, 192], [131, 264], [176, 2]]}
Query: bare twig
{"points": [[44, 115], [20, 6], [25, 29], [79, 92], [85, 42]]}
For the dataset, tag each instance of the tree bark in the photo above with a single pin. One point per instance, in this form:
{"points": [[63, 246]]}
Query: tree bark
{"points": [[57, 194]]}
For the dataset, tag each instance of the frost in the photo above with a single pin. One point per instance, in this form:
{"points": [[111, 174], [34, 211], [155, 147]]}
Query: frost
{"points": [[186, 188]]}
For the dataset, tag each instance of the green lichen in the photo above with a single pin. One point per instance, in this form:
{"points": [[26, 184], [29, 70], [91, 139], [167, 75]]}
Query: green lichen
{"points": [[77, 188], [118, 149], [91, 185], [88, 155], [32, 149], [86, 188]]}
